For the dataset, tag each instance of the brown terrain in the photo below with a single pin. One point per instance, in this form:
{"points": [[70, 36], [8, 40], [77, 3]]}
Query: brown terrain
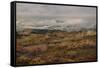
{"points": [[55, 47]]}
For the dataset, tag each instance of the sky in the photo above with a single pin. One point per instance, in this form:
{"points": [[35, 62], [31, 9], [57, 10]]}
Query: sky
{"points": [[44, 16]]}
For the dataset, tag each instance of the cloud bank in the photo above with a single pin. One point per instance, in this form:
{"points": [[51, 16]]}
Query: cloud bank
{"points": [[38, 16]]}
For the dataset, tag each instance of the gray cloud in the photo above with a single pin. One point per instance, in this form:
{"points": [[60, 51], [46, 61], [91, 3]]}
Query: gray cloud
{"points": [[43, 15], [53, 10]]}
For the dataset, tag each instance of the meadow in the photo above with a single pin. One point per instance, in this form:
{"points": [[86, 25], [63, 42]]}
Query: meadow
{"points": [[56, 47]]}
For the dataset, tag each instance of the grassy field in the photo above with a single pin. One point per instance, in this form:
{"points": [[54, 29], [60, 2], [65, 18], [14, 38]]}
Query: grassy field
{"points": [[56, 47]]}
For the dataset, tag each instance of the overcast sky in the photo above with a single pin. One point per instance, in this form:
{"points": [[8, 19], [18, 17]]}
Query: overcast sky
{"points": [[39, 14]]}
